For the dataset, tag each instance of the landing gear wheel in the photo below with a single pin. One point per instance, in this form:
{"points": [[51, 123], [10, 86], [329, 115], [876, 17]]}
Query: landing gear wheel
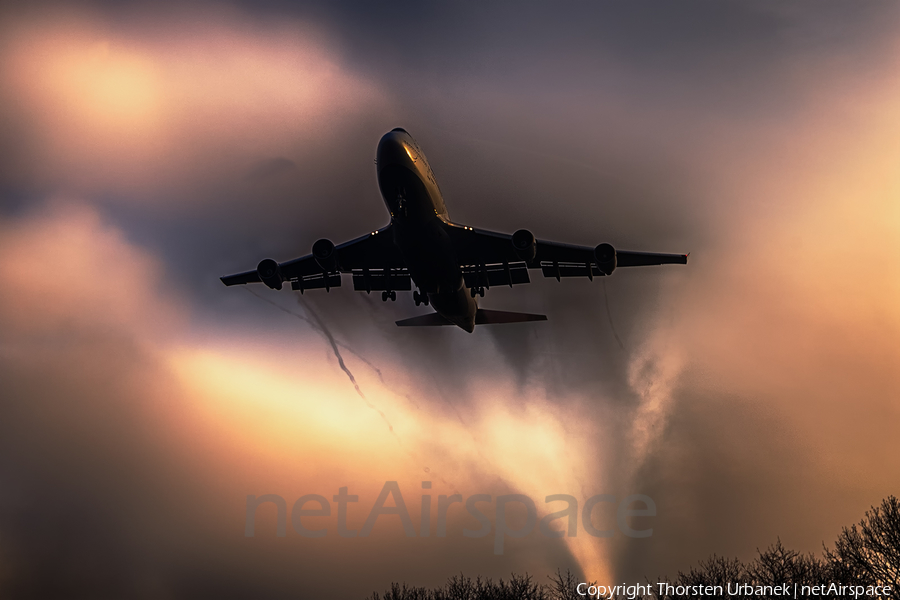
{"points": [[416, 298], [384, 296], [481, 292], [393, 296]]}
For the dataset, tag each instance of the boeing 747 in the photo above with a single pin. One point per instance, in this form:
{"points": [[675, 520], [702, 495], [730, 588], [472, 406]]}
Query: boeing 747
{"points": [[451, 264]]}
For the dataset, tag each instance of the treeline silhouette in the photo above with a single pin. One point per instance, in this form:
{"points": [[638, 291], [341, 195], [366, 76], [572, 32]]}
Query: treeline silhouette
{"points": [[866, 555]]}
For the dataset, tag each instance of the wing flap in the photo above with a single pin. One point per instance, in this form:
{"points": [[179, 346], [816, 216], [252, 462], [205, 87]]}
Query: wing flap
{"points": [[317, 281], [380, 280], [496, 274], [557, 269]]}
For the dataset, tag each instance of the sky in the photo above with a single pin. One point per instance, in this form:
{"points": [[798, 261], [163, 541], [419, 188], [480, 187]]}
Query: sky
{"points": [[149, 148]]}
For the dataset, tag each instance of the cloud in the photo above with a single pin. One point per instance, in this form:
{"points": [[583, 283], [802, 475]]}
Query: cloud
{"points": [[785, 329], [145, 401], [113, 106], [67, 271], [135, 438]]}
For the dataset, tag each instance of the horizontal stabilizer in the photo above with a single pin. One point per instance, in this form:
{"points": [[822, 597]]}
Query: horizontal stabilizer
{"points": [[488, 317], [431, 319], [482, 317]]}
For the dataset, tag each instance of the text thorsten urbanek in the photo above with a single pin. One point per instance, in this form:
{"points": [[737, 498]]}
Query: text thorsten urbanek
{"points": [[636, 505], [786, 590]]}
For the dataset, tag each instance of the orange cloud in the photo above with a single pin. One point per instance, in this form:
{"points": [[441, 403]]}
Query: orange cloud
{"points": [[118, 107], [64, 268], [283, 419]]}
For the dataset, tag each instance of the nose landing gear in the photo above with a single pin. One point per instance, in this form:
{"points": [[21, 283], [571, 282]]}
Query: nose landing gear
{"points": [[401, 201], [386, 295], [479, 291]]}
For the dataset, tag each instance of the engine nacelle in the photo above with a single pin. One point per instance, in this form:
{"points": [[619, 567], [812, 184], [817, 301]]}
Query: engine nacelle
{"points": [[605, 255], [326, 257], [270, 273], [525, 245]]}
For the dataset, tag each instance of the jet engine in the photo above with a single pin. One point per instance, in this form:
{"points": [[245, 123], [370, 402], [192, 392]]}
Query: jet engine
{"points": [[605, 256], [326, 258], [270, 273], [525, 245]]}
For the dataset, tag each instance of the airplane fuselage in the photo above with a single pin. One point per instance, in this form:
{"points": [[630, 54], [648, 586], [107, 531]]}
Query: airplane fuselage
{"points": [[418, 215]]}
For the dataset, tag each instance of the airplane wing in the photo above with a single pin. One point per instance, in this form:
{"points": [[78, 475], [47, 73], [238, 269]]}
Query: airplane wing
{"points": [[491, 258], [487, 258], [373, 259]]}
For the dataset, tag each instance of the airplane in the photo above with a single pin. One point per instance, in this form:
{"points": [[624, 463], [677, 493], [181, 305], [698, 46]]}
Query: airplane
{"points": [[451, 264]]}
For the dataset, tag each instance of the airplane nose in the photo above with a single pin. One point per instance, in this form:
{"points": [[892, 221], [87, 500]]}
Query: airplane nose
{"points": [[396, 148]]}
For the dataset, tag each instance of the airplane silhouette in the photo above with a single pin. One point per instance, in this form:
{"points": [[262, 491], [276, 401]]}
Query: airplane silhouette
{"points": [[450, 264]]}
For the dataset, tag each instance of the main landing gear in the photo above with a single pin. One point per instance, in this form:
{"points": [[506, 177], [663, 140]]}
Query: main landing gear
{"points": [[477, 291], [386, 295], [420, 298]]}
